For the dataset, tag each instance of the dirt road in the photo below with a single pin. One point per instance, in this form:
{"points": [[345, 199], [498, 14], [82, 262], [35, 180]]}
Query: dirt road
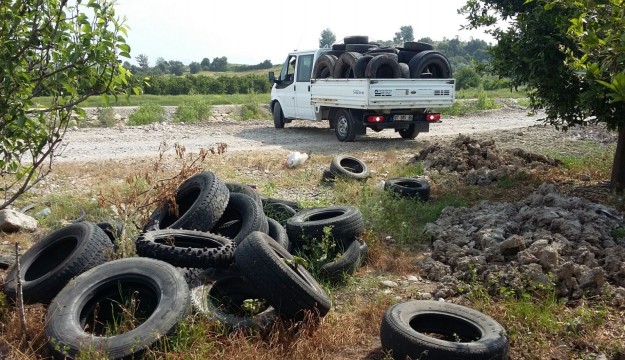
{"points": [[86, 144]]}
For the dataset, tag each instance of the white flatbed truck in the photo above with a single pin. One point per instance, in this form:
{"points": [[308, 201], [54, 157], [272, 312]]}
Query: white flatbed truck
{"points": [[353, 105]]}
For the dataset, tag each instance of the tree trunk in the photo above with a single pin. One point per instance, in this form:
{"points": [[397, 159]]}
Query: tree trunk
{"points": [[618, 167]]}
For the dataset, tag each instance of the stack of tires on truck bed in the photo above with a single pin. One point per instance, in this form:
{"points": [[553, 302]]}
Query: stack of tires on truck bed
{"points": [[358, 58], [220, 250]]}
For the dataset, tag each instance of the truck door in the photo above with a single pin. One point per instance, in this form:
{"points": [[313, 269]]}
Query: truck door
{"points": [[284, 90], [303, 108]]}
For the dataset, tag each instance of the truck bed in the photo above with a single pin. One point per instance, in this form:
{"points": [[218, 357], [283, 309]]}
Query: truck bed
{"points": [[383, 93]]}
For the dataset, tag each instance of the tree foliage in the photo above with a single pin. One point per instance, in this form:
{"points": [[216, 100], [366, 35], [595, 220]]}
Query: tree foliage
{"points": [[205, 64], [327, 38], [143, 61], [404, 34], [566, 52], [195, 67], [219, 64], [68, 51]]}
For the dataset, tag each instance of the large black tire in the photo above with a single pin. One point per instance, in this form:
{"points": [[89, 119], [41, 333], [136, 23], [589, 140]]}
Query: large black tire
{"points": [[461, 332], [186, 248], [346, 264], [324, 66], [286, 286], [307, 226], [383, 50], [245, 189], [410, 132], [345, 126], [278, 233], [242, 216], [409, 187], [383, 66], [81, 314], [417, 46], [47, 266], [201, 200], [349, 167], [404, 56], [361, 65], [345, 65], [338, 47], [293, 204], [223, 299], [279, 211], [359, 48], [356, 39], [278, 116], [430, 64]]}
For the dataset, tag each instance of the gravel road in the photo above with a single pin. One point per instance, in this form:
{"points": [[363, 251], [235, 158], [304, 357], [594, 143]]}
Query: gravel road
{"points": [[95, 143]]}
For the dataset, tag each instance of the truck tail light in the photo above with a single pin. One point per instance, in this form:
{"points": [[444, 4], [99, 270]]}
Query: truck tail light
{"points": [[375, 119], [433, 117]]}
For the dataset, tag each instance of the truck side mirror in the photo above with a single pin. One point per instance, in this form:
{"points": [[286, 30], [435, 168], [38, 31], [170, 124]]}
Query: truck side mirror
{"points": [[272, 77]]}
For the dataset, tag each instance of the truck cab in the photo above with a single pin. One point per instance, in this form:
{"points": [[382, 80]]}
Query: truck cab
{"points": [[291, 89]]}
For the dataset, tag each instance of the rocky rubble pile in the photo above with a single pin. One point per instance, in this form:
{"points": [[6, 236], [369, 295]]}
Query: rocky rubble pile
{"points": [[481, 162], [545, 240]]}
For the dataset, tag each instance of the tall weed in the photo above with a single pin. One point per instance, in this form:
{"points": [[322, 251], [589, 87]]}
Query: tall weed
{"points": [[193, 110], [147, 114]]}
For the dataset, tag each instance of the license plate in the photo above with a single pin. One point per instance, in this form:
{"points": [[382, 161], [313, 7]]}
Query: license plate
{"points": [[402, 117]]}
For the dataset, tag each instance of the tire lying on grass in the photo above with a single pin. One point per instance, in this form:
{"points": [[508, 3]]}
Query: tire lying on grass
{"points": [[349, 167], [228, 299], [63, 254], [201, 200], [278, 232], [307, 226], [409, 187], [286, 285], [91, 312], [242, 216], [279, 211], [347, 263], [441, 330], [186, 248], [244, 189]]}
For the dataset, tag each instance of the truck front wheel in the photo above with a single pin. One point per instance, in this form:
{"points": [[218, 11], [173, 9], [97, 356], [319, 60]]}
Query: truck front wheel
{"points": [[344, 127], [278, 117], [410, 132]]}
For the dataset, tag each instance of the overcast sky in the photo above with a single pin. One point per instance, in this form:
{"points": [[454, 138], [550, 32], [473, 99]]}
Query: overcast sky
{"points": [[249, 32]]}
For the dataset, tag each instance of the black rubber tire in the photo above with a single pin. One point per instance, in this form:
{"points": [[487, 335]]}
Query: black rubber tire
{"points": [[346, 264], [383, 66], [278, 116], [324, 66], [308, 225], [328, 176], [405, 327], [163, 299], [345, 65], [247, 216], [432, 63], [361, 65], [404, 56], [245, 189], [293, 204], [278, 233], [186, 248], [345, 126], [359, 48], [383, 50], [349, 167], [410, 132], [286, 286], [409, 187], [48, 265], [339, 47], [6, 261], [235, 289], [201, 200], [417, 46], [113, 230], [405, 70], [356, 39]]}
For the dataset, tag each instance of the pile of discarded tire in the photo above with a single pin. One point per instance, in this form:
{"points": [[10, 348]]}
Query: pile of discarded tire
{"points": [[424, 329], [221, 250], [359, 58]]}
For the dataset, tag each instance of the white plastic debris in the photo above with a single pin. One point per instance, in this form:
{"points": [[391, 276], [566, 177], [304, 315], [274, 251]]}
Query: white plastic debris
{"points": [[296, 158]]}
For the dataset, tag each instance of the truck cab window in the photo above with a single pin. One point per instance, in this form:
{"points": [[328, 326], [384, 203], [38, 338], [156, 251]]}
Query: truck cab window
{"points": [[288, 69], [304, 68]]}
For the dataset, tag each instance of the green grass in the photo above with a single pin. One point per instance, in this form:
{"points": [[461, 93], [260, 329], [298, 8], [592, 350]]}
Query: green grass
{"points": [[164, 100], [192, 110], [147, 114], [474, 93]]}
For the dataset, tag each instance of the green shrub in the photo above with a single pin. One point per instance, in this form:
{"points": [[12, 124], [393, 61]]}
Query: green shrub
{"points": [[484, 102], [106, 117], [192, 110], [147, 114], [251, 110]]}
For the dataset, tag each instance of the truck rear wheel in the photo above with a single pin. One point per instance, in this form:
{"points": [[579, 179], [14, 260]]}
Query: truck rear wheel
{"points": [[278, 117], [410, 132], [344, 127]]}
